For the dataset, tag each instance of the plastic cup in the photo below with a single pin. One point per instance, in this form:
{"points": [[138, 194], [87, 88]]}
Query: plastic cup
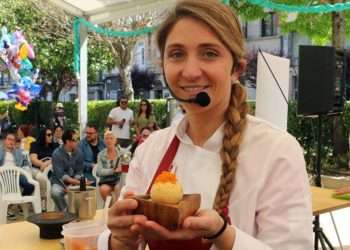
{"points": [[82, 235]]}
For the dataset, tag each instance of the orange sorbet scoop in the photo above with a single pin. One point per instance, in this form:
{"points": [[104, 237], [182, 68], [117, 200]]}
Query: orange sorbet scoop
{"points": [[166, 189]]}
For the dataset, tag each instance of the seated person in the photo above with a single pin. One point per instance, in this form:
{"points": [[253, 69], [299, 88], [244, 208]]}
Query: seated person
{"points": [[12, 156], [57, 134], [67, 168], [90, 146], [144, 134], [108, 167], [40, 155]]}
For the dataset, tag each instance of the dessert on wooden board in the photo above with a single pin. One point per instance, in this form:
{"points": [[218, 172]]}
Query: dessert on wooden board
{"points": [[166, 204]]}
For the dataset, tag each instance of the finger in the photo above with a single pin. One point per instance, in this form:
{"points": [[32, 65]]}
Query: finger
{"points": [[196, 223], [122, 206], [128, 194], [125, 221]]}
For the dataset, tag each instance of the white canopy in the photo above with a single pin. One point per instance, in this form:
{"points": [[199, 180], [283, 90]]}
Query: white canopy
{"points": [[98, 12]]}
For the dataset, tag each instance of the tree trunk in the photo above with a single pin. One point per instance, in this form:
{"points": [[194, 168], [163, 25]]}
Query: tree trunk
{"points": [[340, 138], [126, 81]]}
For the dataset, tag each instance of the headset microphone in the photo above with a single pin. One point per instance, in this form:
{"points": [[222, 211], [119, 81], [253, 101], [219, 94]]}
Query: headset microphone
{"points": [[202, 99]]}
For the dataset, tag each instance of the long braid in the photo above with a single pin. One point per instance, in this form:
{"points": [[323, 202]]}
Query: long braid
{"points": [[233, 134]]}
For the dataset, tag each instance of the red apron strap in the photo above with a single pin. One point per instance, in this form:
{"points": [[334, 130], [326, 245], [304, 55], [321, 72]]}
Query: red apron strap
{"points": [[194, 244], [165, 164]]}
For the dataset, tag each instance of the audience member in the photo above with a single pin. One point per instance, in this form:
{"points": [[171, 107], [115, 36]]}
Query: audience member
{"points": [[59, 118], [144, 134], [144, 118], [67, 163], [57, 135], [40, 157], [90, 146], [121, 118], [12, 156], [108, 167]]}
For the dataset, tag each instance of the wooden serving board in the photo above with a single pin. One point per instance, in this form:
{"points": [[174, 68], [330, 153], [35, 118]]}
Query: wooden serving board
{"points": [[168, 215]]}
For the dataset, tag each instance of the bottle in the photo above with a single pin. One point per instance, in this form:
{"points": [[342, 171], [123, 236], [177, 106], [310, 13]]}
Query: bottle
{"points": [[82, 183]]}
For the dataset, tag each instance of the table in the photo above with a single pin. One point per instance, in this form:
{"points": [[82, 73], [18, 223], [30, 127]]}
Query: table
{"points": [[322, 201], [25, 236]]}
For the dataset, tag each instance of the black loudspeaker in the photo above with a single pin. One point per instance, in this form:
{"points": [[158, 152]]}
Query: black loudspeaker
{"points": [[321, 88]]}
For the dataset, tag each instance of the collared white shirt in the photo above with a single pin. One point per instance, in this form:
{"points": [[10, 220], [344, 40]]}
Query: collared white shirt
{"points": [[270, 205]]}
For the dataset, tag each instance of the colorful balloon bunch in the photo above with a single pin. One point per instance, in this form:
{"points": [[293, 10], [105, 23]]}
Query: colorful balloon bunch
{"points": [[15, 54]]}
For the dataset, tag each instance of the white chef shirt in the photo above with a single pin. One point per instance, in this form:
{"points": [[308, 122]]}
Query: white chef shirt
{"points": [[270, 205]]}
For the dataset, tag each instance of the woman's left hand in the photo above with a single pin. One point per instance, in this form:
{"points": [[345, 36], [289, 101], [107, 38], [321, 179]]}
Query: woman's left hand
{"points": [[205, 223]]}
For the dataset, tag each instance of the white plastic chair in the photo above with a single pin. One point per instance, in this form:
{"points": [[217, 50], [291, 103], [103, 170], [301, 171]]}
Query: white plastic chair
{"points": [[10, 191], [94, 174]]}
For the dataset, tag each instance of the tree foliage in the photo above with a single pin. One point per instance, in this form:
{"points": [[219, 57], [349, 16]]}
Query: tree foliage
{"points": [[318, 27], [49, 30], [122, 47]]}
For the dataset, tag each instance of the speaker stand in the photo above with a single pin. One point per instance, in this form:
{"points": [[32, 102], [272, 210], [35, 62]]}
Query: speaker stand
{"points": [[319, 234]]}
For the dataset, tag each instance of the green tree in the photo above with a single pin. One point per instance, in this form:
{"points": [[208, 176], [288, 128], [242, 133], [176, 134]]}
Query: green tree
{"points": [[49, 29]]}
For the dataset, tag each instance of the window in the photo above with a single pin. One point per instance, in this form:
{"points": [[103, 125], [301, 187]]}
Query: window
{"points": [[268, 25]]}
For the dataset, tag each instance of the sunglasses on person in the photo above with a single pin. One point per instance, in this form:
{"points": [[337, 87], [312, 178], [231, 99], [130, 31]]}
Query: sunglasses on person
{"points": [[49, 134], [123, 102]]}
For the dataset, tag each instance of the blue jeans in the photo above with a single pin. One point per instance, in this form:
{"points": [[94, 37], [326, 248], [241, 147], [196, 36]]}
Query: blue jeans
{"points": [[57, 194], [27, 188]]}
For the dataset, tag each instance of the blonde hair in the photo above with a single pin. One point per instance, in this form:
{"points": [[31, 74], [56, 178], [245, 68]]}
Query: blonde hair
{"points": [[224, 23], [108, 133]]}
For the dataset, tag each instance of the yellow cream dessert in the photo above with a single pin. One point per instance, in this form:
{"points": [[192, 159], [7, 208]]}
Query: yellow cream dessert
{"points": [[166, 189]]}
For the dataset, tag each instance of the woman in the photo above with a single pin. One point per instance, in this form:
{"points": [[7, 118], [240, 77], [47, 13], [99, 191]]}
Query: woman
{"points": [[247, 171], [40, 156], [144, 134], [108, 167], [144, 118]]}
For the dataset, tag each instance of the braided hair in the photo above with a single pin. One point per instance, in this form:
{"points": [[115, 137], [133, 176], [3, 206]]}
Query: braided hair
{"points": [[221, 19]]}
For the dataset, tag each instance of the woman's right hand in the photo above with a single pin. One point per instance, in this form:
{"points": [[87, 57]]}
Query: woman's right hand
{"points": [[121, 222]]}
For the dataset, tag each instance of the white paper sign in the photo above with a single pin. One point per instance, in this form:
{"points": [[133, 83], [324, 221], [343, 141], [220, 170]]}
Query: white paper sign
{"points": [[270, 103]]}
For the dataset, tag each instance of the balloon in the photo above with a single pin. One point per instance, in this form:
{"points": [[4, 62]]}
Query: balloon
{"points": [[23, 97], [23, 51], [20, 107], [31, 54], [26, 67], [35, 90], [17, 37], [15, 53]]}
